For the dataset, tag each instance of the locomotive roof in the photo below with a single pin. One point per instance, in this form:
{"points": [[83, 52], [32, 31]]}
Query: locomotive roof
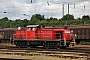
{"points": [[32, 25], [53, 29]]}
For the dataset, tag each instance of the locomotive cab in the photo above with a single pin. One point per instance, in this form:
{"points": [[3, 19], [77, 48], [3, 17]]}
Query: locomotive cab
{"points": [[31, 32]]}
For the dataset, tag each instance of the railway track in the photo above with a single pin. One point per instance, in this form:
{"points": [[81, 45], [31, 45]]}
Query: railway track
{"points": [[72, 53], [47, 52]]}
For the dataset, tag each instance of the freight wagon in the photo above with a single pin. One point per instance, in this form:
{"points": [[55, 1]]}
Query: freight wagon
{"points": [[38, 35], [81, 32], [5, 33]]}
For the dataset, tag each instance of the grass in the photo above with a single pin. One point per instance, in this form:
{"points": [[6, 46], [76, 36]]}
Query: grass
{"points": [[69, 58], [84, 43], [74, 56], [34, 57]]}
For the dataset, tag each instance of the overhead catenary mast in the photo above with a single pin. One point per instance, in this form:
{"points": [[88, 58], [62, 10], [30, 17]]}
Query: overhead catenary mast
{"points": [[31, 1], [68, 8], [62, 9]]}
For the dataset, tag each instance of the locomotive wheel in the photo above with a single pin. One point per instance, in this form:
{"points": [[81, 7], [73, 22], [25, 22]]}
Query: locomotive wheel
{"points": [[34, 46], [18, 46], [62, 47], [31, 46], [46, 46]]}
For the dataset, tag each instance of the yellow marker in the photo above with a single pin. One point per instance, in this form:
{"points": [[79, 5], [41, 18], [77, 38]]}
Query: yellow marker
{"points": [[72, 44]]}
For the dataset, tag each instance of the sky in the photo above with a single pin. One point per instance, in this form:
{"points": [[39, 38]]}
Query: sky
{"points": [[24, 9]]}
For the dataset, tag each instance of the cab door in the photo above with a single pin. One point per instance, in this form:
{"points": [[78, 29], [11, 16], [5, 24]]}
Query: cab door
{"points": [[30, 34]]}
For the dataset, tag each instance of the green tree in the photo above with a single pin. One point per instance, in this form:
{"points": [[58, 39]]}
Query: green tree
{"points": [[25, 22], [4, 19], [67, 17], [85, 17], [78, 18], [39, 17], [17, 23], [34, 20], [51, 18]]}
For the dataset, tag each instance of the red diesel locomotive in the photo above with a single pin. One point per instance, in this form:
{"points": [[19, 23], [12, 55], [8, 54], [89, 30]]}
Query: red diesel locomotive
{"points": [[38, 35]]}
